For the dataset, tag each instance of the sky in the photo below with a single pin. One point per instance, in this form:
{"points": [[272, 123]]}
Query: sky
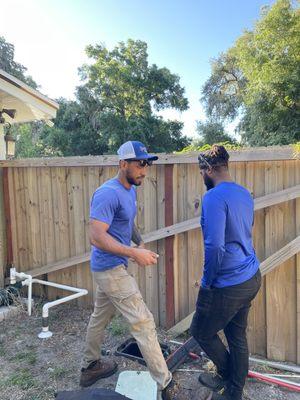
{"points": [[50, 37]]}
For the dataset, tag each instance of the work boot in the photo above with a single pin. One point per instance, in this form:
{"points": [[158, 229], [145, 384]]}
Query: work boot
{"points": [[97, 370], [213, 382]]}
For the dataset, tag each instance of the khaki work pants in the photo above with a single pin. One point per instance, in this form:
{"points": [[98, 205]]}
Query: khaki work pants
{"points": [[118, 290]]}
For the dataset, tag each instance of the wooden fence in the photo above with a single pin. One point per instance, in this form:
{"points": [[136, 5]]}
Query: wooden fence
{"points": [[46, 207]]}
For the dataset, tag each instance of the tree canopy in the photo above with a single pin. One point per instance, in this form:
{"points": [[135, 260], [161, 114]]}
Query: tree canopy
{"points": [[117, 101], [9, 65], [258, 79]]}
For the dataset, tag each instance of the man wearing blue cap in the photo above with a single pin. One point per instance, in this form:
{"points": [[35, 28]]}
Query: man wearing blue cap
{"points": [[112, 213]]}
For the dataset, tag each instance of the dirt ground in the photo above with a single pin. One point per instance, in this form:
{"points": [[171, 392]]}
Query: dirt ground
{"points": [[34, 369]]}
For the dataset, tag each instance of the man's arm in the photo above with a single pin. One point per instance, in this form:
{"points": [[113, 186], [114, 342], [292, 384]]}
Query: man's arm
{"points": [[214, 223], [99, 237], [136, 236]]}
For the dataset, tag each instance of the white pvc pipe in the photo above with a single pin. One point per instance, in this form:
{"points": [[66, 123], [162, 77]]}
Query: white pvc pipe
{"points": [[28, 281], [12, 276], [51, 304], [276, 365], [57, 285], [29, 305]]}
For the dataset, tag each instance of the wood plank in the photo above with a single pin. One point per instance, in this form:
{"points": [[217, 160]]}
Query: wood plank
{"points": [[249, 154], [298, 307], [68, 276], [46, 215], [182, 243], [77, 226], [255, 178], [169, 250], [33, 218], [160, 198], [140, 219], [297, 228], [288, 194], [195, 257], [150, 218], [94, 174], [60, 265], [46, 220], [275, 304], [22, 256], [7, 223], [34, 223], [61, 227], [280, 256], [289, 210], [176, 168], [3, 254]]}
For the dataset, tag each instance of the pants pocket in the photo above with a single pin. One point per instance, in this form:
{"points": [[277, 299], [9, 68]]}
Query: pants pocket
{"points": [[117, 283]]}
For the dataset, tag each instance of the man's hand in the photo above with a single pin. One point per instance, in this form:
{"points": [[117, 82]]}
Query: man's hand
{"points": [[144, 257]]}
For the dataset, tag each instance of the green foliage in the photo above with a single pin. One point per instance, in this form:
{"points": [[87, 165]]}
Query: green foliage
{"points": [[268, 56], [258, 79], [296, 148], [266, 124], [115, 103], [195, 147], [211, 132], [222, 94], [30, 140], [9, 65]]}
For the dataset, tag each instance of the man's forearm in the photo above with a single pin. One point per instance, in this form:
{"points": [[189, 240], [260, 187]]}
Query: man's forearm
{"points": [[213, 260], [107, 243], [136, 236]]}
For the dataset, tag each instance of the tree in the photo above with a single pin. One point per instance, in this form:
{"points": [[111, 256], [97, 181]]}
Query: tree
{"points": [[211, 132], [222, 93], [258, 79], [117, 102], [9, 65]]}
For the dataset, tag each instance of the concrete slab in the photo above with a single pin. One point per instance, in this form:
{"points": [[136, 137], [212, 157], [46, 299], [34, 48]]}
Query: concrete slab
{"points": [[137, 385]]}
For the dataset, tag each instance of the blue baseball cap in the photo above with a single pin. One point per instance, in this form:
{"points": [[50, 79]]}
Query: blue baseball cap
{"points": [[135, 151]]}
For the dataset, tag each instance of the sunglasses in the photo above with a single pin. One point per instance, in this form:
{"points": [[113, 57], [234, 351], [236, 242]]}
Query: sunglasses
{"points": [[141, 163], [202, 160]]}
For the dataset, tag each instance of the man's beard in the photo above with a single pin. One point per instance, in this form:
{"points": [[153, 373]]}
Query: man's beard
{"points": [[209, 183], [132, 181]]}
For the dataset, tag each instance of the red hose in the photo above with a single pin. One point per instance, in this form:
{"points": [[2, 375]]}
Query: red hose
{"points": [[262, 377]]}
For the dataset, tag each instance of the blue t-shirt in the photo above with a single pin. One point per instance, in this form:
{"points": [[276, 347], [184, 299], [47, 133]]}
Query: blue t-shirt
{"points": [[115, 205], [226, 221]]}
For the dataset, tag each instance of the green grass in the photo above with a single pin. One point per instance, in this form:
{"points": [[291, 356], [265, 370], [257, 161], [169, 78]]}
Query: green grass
{"points": [[29, 357], [18, 332], [43, 394], [2, 350], [22, 379], [117, 327], [58, 372]]}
